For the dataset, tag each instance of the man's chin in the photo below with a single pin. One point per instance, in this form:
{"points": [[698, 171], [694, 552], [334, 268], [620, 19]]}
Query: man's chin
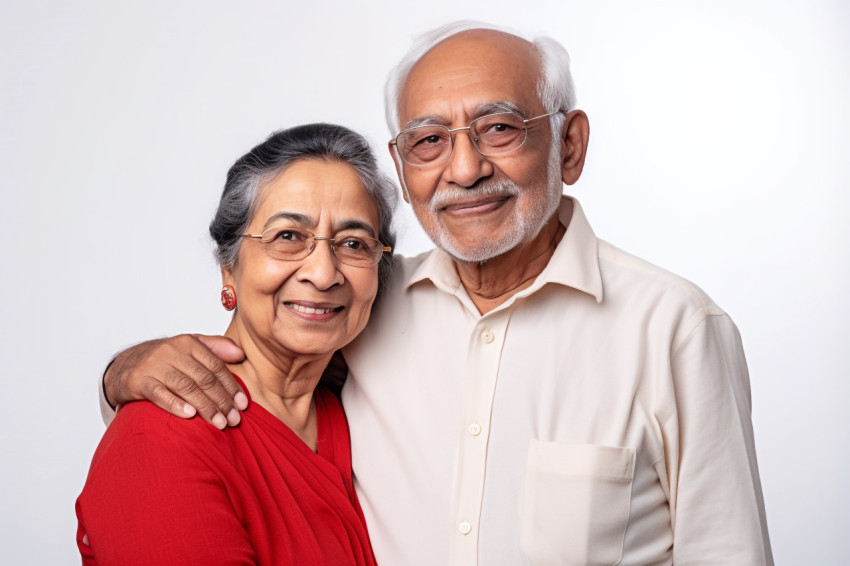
{"points": [[479, 251]]}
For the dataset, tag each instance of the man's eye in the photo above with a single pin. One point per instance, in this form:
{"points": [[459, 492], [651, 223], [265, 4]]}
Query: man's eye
{"points": [[429, 140], [499, 128]]}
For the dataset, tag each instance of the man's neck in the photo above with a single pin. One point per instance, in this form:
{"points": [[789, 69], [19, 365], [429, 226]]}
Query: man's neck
{"points": [[493, 282]]}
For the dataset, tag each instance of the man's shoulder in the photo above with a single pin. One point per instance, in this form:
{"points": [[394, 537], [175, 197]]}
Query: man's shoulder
{"points": [[404, 269], [624, 273], [408, 264]]}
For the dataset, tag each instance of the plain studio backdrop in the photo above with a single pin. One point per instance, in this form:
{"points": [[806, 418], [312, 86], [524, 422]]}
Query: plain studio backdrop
{"points": [[719, 150]]}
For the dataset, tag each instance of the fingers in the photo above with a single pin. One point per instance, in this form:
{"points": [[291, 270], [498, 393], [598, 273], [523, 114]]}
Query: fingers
{"points": [[162, 397], [200, 379], [196, 387], [180, 375], [209, 386], [223, 348]]}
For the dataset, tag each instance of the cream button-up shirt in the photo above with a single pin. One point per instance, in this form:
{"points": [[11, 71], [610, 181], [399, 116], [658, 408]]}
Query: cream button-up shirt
{"points": [[601, 416]]}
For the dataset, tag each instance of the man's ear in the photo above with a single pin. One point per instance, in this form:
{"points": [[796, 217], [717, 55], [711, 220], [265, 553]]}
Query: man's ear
{"points": [[574, 138], [399, 169]]}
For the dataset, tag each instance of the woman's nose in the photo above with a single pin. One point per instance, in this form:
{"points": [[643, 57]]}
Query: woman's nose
{"points": [[321, 267]]}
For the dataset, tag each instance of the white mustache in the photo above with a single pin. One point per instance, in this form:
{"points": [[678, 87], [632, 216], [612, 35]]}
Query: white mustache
{"points": [[454, 194]]}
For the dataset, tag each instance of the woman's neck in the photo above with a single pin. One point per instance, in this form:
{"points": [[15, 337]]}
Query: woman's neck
{"points": [[281, 384]]}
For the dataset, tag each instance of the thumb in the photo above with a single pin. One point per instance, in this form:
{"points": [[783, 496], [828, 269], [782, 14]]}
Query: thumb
{"points": [[224, 348]]}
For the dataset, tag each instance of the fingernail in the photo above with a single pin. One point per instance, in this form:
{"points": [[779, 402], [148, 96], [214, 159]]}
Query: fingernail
{"points": [[189, 411], [219, 421], [233, 417], [241, 401]]}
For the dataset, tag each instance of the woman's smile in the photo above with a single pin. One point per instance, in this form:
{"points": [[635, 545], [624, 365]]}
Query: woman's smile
{"points": [[313, 311]]}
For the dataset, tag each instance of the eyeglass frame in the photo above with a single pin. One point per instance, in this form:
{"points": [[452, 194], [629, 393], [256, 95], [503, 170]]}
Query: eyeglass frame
{"points": [[451, 131], [312, 246]]}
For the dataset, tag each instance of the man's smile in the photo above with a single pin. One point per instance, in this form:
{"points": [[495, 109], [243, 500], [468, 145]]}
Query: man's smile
{"points": [[476, 206]]}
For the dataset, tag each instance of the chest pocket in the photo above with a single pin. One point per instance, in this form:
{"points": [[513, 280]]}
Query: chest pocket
{"points": [[575, 503]]}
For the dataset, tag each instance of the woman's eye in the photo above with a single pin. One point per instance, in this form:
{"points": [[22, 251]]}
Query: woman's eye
{"points": [[352, 244], [288, 237]]}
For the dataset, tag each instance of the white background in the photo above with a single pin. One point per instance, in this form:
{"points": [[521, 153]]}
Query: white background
{"points": [[719, 150]]}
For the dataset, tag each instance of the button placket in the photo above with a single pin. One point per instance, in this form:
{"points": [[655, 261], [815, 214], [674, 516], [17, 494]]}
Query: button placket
{"points": [[482, 373]]}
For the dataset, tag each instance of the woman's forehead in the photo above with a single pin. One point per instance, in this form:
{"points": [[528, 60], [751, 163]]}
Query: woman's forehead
{"points": [[315, 191]]}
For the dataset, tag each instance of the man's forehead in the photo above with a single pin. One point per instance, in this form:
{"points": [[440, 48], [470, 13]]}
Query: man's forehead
{"points": [[469, 71], [470, 112]]}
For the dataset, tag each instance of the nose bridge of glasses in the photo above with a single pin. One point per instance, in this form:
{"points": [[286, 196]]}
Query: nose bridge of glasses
{"points": [[453, 130], [331, 242], [470, 134]]}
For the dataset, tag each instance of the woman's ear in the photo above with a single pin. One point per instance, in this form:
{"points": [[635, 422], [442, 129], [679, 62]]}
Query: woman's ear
{"points": [[227, 276], [574, 138]]}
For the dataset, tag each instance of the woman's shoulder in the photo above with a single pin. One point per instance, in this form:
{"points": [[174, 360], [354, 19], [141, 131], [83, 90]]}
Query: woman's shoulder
{"points": [[143, 424], [167, 477], [141, 417]]}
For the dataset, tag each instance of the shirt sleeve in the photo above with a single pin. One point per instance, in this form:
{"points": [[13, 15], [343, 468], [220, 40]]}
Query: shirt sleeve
{"points": [[716, 498], [106, 412], [150, 499]]}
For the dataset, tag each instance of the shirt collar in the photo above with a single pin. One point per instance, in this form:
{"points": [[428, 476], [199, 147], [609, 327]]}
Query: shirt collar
{"points": [[574, 264]]}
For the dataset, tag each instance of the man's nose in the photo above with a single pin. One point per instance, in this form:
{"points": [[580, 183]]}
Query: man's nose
{"points": [[466, 165]]}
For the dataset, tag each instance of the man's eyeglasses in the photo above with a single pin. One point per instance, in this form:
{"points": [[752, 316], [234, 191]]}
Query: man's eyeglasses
{"points": [[289, 244], [493, 134]]}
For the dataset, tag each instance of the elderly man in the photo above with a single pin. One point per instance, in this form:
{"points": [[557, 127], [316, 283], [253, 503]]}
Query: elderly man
{"points": [[525, 393]]}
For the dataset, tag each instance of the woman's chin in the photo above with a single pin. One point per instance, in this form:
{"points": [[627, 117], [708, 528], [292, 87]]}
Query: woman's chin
{"points": [[311, 342]]}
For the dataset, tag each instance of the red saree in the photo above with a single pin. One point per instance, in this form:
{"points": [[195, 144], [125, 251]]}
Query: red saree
{"points": [[163, 490]]}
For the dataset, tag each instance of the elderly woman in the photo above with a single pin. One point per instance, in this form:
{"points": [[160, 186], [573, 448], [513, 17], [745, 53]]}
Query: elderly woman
{"points": [[303, 236]]}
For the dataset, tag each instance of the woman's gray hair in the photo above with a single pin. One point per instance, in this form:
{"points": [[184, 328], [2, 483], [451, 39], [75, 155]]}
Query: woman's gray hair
{"points": [[240, 197], [555, 88]]}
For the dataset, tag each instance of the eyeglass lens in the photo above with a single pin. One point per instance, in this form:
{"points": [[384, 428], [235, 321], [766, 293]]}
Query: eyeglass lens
{"points": [[287, 243], [491, 135]]}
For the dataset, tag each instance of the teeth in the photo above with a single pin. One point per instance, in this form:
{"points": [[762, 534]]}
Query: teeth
{"points": [[309, 310]]}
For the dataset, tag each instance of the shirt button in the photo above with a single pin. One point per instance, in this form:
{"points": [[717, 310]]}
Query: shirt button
{"points": [[464, 528], [487, 336], [474, 429]]}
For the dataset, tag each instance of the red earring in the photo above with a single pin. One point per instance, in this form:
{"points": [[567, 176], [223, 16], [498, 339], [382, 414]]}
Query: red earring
{"points": [[228, 297]]}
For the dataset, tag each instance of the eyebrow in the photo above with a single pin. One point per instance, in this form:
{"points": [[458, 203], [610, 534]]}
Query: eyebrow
{"points": [[433, 120], [307, 221], [498, 107], [294, 216], [355, 225], [481, 110]]}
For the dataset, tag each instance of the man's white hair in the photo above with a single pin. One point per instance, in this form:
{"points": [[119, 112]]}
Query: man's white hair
{"points": [[555, 88]]}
